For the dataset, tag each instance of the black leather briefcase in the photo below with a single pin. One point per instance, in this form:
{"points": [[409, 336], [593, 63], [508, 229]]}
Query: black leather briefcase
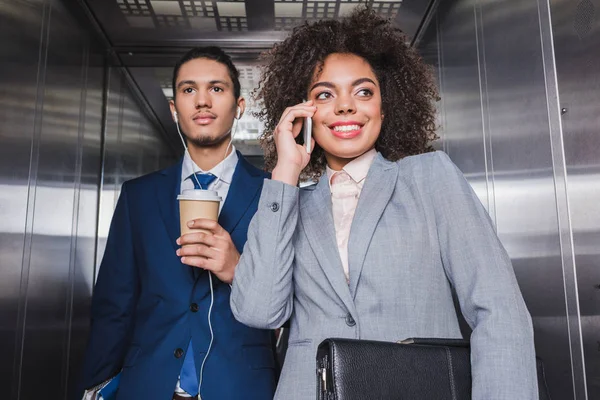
{"points": [[349, 369], [414, 369]]}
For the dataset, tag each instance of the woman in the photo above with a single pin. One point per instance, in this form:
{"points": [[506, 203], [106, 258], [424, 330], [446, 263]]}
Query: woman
{"points": [[376, 247]]}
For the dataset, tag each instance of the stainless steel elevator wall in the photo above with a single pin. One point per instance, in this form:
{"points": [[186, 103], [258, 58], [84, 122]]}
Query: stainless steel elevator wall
{"points": [[54, 162], [576, 33], [500, 121]]}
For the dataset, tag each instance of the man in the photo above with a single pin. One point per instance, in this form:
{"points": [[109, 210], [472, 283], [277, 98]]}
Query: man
{"points": [[151, 305]]}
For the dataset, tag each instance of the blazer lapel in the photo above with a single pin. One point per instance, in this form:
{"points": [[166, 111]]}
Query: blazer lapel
{"points": [[317, 221], [375, 195], [167, 191], [244, 187]]}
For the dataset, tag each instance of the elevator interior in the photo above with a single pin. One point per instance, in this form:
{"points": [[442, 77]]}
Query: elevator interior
{"points": [[84, 89]]}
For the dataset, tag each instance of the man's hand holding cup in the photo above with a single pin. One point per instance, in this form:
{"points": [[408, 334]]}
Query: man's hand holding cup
{"points": [[209, 247]]}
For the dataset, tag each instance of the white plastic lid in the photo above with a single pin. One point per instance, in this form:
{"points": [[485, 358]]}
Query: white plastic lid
{"points": [[199, 194]]}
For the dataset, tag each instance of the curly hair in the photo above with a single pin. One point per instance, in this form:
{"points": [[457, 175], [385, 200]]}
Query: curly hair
{"points": [[407, 87]]}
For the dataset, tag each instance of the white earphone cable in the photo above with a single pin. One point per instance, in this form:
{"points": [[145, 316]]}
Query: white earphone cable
{"points": [[185, 146]]}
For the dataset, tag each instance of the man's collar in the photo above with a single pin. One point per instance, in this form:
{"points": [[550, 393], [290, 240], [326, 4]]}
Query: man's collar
{"points": [[223, 171]]}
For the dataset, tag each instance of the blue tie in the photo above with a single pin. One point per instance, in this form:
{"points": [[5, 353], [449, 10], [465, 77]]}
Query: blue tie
{"points": [[202, 180], [188, 379]]}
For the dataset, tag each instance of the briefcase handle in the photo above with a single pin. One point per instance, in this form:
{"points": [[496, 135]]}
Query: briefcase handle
{"points": [[436, 342]]}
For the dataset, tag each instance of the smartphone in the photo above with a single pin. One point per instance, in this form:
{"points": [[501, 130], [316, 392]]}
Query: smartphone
{"points": [[307, 132]]}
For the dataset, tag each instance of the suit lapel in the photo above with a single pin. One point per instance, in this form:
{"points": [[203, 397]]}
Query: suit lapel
{"points": [[167, 190], [375, 195], [244, 187], [317, 221]]}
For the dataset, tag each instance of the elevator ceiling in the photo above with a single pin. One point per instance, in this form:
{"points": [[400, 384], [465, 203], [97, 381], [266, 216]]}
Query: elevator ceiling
{"points": [[148, 36]]}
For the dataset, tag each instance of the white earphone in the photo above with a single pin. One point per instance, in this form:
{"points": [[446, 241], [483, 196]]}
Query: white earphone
{"points": [[175, 117]]}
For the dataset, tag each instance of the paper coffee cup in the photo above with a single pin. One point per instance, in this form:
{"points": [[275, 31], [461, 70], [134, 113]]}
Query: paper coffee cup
{"points": [[197, 203]]}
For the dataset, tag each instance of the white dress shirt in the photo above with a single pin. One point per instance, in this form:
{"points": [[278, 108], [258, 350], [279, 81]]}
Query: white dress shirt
{"points": [[223, 171]]}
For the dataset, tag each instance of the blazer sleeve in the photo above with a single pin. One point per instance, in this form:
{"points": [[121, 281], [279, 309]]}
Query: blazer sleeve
{"points": [[262, 288], [476, 263], [113, 302]]}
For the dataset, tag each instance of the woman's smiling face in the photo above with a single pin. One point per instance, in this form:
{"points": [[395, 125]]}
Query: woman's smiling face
{"points": [[348, 118]]}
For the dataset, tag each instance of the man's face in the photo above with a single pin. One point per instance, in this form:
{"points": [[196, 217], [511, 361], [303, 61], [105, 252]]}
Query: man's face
{"points": [[205, 102]]}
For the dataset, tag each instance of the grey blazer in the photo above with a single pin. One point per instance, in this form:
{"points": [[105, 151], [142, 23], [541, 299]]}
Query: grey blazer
{"points": [[419, 230]]}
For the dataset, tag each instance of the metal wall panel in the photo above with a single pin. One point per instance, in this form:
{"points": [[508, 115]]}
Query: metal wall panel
{"points": [[498, 125], [85, 228], [108, 188], [53, 122], [576, 29], [529, 188], [21, 25], [49, 284]]}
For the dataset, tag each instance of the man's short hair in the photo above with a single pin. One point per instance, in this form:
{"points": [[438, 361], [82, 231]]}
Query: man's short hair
{"points": [[211, 53]]}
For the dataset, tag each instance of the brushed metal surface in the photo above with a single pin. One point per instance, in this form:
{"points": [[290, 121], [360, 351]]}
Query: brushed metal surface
{"points": [[21, 26], [52, 91], [85, 222], [498, 122], [411, 16], [47, 320], [576, 30]]}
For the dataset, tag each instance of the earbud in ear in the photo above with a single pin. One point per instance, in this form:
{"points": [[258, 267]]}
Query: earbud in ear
{"points": [[239, 113], [175, 118]]}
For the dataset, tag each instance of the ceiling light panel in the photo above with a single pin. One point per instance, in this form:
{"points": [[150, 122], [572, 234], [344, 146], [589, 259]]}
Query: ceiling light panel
{"points": [[209, 15], [290, 13], [202, 15]]}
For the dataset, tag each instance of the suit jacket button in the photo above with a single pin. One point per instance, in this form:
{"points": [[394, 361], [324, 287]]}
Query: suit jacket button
{"points": [[178, 353], [274, 207], [194, 307], [349, 320]]}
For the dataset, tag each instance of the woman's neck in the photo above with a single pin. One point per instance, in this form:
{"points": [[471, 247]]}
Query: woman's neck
{"points": [[338, 163]]}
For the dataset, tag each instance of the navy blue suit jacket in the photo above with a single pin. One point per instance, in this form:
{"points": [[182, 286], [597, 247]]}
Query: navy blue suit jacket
{"points": [[142, 314]]}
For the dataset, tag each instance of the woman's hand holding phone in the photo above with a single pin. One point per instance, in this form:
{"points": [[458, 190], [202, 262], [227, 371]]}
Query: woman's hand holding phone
{"points": [[292, 157]]}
